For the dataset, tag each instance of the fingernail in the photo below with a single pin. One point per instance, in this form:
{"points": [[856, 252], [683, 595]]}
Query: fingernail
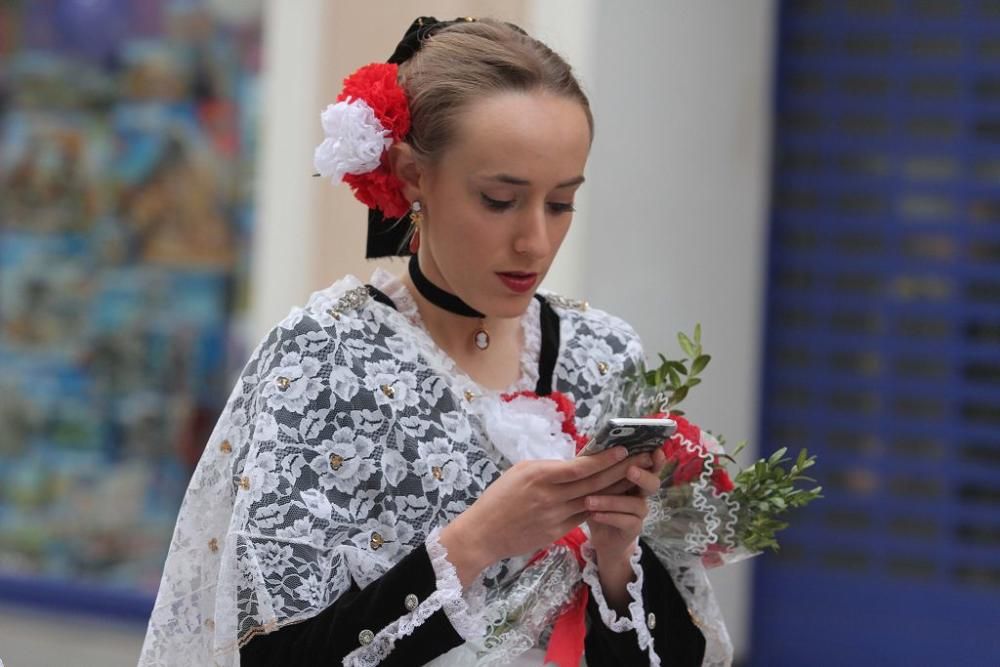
{"points": [[620, 453], [591, 503], [633, 474]]}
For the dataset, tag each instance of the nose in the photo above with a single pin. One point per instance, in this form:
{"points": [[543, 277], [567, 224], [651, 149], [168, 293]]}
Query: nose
{"points": [[532, 237]]}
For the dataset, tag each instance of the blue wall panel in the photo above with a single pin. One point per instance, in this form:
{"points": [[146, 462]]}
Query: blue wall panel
{"points": [[883, 340]]}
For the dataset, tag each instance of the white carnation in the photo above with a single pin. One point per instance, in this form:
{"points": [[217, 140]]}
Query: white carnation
{"points": [[525, 428], [354, 140]]}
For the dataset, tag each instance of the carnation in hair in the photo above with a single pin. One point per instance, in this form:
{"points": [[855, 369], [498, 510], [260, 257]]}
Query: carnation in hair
{"points": [[355, 141], [380, 189], [377, 84]]}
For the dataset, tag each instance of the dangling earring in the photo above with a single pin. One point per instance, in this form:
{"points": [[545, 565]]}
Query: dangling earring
{"points": [[416, 217]]}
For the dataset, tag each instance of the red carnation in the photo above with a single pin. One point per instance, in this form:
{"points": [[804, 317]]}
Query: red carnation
{"points": [[379, 189], [721, 480], [688, 430], [378, 85], [684, 450]]}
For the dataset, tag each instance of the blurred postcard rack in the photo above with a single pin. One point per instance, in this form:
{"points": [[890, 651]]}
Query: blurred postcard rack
{"points": [[127, 135]]}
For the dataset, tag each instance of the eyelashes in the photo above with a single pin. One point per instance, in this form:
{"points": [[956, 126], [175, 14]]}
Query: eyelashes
{"points": [[500, 205], [496, 204]]}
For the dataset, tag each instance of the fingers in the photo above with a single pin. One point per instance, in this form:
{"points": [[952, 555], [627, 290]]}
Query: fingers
{"points": [[634, 505], [623, 512], [628, 486], [583, 467], [627, 523], [624, 486], [659, 461], [606, 478], [647, 481], [573, 522]]}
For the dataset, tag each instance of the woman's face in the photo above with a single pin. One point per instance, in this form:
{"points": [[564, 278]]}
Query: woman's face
{"points": [[499, 201]]}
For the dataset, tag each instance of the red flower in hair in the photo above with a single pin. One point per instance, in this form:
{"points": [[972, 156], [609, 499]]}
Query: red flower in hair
{"points": [[378, 85], [371, 114], [379, 189]]}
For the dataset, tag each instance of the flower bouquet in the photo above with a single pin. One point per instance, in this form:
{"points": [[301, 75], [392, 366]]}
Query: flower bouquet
{"points": [[705, 514], [706, 507]]}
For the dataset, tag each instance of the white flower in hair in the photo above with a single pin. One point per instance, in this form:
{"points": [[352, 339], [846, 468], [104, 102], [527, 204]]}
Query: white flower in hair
{"points": [[354, 140]]}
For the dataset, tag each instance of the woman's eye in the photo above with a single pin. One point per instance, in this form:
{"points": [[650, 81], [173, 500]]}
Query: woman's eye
{"points": [[497, 204], [557, 207]]}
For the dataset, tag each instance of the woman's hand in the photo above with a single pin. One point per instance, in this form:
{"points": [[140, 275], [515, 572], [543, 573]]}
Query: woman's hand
{"points": [[527, 508], [615, 522]]}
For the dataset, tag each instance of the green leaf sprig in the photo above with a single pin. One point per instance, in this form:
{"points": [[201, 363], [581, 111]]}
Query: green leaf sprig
{"points": [[674, 378], [764, 491]]}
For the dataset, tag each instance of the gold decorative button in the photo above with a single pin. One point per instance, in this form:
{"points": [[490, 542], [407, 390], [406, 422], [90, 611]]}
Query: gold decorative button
{"points": [[411, 602], [376, 542], [245, 483], [213, 545], [336, 460], [283, 383], [602, 368], [226, 447], [388, 391], [469, 395], [651, 621], [366, 637], [436, 471]]}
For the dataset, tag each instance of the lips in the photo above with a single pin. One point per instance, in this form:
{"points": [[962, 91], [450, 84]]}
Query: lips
{"points": [[518, 281]]}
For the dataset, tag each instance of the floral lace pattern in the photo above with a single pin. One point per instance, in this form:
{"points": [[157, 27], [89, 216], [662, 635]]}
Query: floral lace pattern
{"points": [[347, 439]]}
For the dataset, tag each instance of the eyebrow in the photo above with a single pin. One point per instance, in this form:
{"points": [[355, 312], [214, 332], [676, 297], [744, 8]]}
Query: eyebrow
{"points": [[513, 180]]}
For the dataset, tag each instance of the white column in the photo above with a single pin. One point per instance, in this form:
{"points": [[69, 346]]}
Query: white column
{"points": [[286, 207], [674, 219], [569, 28]]}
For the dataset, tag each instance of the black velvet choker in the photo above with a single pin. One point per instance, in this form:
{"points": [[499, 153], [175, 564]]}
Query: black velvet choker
{"points": [[450, 302], [437, 296]]}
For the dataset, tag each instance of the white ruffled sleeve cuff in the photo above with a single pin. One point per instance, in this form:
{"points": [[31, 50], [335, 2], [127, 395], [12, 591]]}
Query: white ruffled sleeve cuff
{"points": [[636, 619], [463, 608]]}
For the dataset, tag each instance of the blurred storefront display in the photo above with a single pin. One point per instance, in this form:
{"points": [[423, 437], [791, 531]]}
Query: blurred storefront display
{"points": [[127, 136]]}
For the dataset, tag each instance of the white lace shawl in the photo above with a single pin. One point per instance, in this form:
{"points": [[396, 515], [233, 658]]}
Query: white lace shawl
{"points": [[346, 442]]}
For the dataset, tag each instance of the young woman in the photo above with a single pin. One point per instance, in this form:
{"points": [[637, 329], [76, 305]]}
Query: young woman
{"points": [[372, 495]]}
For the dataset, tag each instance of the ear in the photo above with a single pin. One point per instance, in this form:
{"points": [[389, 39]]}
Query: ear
{"points": [[407, 167]]}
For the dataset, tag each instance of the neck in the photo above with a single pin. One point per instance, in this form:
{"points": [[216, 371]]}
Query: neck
{"points": [[441, 298], [496, 367], [453, 332]]}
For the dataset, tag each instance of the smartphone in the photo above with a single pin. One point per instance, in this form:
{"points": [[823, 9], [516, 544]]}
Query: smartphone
{"points": [[636, 435]]}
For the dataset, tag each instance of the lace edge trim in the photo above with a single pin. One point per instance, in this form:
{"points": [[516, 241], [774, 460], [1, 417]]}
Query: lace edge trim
{"points": [[465, 615], [636, 620], [464, 611]]}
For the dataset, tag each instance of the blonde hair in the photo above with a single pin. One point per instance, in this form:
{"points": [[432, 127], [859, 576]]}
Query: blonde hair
{"points": [[472, 60]]}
